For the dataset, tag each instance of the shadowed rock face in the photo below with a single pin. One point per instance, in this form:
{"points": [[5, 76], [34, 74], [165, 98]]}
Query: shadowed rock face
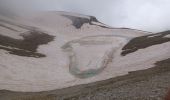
{"points": [[78, 22], [145, 41], [27, 46]]}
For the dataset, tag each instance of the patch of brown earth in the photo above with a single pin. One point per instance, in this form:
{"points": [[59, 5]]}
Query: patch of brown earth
{"points": [[27, 46], [144, 42]]}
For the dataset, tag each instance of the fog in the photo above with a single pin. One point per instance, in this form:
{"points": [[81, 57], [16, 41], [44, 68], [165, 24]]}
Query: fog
{"points": [[147, 15]]}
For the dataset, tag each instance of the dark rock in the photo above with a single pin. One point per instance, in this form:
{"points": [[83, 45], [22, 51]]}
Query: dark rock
{"points": [[27, 46], [144, 42], [78, 22]]}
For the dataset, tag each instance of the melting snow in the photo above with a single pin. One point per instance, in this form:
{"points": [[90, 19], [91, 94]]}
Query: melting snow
{"points": [[76, 56]]}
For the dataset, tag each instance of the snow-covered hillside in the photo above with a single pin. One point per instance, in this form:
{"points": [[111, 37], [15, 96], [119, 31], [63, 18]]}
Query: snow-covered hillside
{"points": [[53, 50]]}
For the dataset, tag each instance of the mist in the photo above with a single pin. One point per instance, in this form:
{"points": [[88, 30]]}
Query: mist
{"points": [[147, 15]]}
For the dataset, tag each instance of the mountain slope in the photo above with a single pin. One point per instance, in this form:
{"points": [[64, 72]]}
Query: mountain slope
{"points": [[55, 50]]}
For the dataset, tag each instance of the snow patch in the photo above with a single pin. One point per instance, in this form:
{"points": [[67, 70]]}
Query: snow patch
{"points": [[167, 36]]}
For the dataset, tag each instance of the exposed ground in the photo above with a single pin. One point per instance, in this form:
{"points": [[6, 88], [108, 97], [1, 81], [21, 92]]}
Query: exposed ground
{"points": [[145, 41], [28, 46]]}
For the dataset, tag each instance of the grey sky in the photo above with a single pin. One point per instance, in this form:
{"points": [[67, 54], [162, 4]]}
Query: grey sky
{"points": [[148, 15]]}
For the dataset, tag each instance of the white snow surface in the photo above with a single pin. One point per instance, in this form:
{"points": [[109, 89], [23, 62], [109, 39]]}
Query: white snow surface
{"points": [[76, 56], [167, 36]]}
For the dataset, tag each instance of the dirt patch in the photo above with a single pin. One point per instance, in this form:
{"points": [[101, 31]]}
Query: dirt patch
{"points": [[27, 46], [144, 42]]}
